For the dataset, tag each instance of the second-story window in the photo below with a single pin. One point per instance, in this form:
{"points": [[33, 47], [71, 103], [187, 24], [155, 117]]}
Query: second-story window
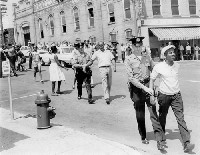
{"points": [[127, 9], [174, 6], [63, 22], [192, 7], [90, 14], [41, 29], [76, 18], [156, 7], [51, 23], [111, 12]]}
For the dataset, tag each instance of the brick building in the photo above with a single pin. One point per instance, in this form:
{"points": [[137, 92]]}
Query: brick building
{"points": [[48, 21], [176, 21]]}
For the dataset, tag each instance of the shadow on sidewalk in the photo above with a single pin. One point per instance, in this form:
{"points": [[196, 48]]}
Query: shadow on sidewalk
{"points": [[9, 138]]}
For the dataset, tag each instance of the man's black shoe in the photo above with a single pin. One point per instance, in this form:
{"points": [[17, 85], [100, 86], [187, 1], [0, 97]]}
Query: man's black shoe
{"points": [[108, 101], [160, 146], [145, 141], [188, 147], [79, 97], [91, 101]]}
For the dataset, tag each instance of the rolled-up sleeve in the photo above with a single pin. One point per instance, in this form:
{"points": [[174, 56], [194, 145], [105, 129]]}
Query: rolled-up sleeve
{"points": [[154, 72]]}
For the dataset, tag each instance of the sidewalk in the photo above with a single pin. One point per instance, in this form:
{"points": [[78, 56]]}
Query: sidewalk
{"points": [[57, 140]]}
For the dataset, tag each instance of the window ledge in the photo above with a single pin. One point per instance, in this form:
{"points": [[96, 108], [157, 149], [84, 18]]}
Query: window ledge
{"points": [[157, 16], [127, 19], [194, 16], [91, 27], [176, 16], [111, 23], [76, 30]]}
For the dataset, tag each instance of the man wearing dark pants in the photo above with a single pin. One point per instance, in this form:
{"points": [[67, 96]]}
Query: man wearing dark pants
{"points": [[78, 61], [169, 94], [138, 72]]}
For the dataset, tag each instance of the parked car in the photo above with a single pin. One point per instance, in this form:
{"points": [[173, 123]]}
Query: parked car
{"points": [[25, 50], [65, 55], [45, 55]]}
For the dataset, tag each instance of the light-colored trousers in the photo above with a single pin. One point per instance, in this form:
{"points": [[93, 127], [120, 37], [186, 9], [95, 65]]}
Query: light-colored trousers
{"points": [[106, 76]]}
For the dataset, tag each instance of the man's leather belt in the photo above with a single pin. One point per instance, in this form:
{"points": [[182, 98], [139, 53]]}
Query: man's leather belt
{"points": [[103, 66]]}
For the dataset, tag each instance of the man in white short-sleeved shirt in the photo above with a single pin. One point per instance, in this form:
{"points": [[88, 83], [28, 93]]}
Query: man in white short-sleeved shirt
{"points": [[169, 94], [105, 60]]}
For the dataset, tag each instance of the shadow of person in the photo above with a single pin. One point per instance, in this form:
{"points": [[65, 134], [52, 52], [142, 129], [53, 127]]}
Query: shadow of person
{"points": [[45, 80], [66, 92], [116, 96], [95, 84]]}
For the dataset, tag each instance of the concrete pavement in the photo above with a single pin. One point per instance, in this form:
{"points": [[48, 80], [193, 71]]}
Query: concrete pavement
{"points": [[57, 140]]}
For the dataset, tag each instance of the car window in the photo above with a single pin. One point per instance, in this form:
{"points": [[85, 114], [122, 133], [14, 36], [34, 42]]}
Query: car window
{"points": [[65, 50]]}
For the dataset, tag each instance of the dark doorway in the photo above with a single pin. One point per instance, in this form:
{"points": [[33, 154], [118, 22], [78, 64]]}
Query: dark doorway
{"points": [[26, 38]]}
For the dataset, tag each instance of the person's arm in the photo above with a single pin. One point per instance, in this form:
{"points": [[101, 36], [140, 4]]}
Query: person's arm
{"points": [[57, 61], [135, 81]]}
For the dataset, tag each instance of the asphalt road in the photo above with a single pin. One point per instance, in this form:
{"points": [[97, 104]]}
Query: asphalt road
{"points": [[115, 121]]}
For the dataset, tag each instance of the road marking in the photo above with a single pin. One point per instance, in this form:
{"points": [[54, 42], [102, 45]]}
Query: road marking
{"points": [[20, 97], [193, 81]]}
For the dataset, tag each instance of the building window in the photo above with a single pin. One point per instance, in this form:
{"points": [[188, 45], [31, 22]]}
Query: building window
{"points": [[127, 9], [63, 22], [174, 6], [128, 33], [192, 7], [76, 18], [90, 14], [111, 12], [113, 37], [41, 29], [51, 23], [156, 7]]}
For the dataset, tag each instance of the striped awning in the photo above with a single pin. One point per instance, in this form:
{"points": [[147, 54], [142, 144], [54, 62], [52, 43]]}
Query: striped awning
{"points": [[186, 33]]}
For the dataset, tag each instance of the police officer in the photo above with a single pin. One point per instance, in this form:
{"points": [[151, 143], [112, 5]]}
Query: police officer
{"points": [[81, 58], [138, 71]]}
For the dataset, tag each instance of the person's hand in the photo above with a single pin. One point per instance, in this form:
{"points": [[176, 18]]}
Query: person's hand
{"points": [[149, 91], [152, 100]]}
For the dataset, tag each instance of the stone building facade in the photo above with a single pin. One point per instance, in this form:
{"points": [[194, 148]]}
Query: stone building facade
{"points": [[48, 21], [176, 21]]}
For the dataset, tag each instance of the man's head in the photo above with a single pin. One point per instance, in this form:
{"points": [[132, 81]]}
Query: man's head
{"points": [[101, 46], [168, 52]]}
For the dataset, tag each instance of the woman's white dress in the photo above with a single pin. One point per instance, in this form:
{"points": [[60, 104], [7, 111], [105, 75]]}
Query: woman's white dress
{"points": [[55, 71]]}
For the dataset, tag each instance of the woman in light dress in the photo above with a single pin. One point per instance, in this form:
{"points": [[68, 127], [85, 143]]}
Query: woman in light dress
{"points": [[55, 70]]}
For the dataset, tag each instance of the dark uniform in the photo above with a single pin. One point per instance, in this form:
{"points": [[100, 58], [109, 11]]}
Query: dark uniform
{"points": [[82, 76], [139, 76]]}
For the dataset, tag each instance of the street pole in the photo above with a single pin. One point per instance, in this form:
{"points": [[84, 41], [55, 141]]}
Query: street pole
{"points": [[1, 42]]}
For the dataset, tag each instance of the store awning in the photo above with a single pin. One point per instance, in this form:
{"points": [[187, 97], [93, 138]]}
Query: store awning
{"points": [[186, 33]]}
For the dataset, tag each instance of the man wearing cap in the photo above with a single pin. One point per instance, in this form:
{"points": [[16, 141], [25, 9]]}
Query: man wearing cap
{"points": [[80, 59], [138, 72], [105, 60], [169, 94]]}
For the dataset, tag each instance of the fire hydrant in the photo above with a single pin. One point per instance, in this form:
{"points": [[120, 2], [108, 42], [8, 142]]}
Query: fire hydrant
{"points": [[44, 111]]}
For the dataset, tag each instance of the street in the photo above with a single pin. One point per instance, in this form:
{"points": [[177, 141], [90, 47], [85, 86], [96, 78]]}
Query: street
{"points": [[117, 121]]}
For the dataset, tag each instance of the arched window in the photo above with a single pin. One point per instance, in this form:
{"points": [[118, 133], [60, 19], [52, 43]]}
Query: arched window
{"points": [[90, 14], [127, 9], [41, 28], [156, 7], [76, 18], [174, 6], [192, 7], [51, 23], [111, 12], [63, 22]]}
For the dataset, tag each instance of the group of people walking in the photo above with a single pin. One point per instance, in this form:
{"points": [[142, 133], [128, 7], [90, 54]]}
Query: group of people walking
{"points": [[142, 73]]}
